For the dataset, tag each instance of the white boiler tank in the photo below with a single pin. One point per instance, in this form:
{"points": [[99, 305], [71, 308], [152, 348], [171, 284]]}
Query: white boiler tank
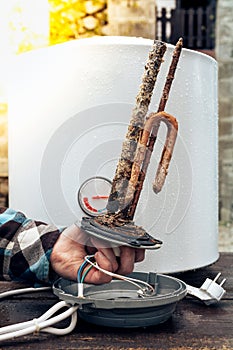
{"points": [[69, 106]]}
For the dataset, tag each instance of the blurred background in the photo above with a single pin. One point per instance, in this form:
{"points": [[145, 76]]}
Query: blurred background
{"points": [[205, 25]]}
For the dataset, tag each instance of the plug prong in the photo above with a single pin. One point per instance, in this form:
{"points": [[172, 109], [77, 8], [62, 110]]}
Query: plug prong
{"points": [[217, 277], [223, 281]]}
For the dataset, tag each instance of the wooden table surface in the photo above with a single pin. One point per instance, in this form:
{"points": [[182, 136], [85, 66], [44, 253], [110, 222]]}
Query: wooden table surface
{"points": [[192, 326]]}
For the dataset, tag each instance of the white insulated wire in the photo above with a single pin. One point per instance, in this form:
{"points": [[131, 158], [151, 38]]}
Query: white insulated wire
{"points": [[43, 323], [9, 293], [131, 280]]}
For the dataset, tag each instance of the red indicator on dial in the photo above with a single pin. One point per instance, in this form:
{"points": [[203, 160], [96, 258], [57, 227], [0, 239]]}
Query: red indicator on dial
{"points": [[93, 195]]}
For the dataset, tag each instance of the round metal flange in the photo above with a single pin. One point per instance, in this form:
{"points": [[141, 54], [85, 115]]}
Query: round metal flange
{"points": [[127, 235], [117, 304]]}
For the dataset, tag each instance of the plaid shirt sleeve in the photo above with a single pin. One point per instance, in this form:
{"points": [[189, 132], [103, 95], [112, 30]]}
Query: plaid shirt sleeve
{"points": [[25, 247]]}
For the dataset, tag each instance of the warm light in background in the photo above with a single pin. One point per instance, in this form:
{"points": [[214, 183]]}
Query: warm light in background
{"points": [[31, 24], [24, 25]]}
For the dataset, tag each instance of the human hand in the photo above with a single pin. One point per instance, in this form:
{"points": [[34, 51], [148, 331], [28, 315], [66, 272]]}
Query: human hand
{"points": [[74, 244]]}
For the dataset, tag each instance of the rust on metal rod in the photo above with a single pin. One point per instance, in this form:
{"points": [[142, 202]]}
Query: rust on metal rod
{"points": [[153, 122], [116, 202], [165, 94], [171, 75]]}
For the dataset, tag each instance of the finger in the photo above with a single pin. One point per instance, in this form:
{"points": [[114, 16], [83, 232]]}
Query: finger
{"points": [[90, 250], [139, 255], [108, 253], [127, 260], [97, 277]]}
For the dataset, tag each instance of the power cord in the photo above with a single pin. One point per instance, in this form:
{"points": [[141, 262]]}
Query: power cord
{"points": [[10, 293], [44, 322], [210, 291]]}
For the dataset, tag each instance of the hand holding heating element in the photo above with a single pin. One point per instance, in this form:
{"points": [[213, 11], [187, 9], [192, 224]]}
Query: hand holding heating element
{"points": [[117, 225]]}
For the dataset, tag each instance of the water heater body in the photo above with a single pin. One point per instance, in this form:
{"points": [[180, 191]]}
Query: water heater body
{"points": [[69, 107]]}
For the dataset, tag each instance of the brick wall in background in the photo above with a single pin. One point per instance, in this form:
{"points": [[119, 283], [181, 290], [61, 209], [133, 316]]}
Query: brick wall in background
{"points": [[131, 18], [224, 55]]}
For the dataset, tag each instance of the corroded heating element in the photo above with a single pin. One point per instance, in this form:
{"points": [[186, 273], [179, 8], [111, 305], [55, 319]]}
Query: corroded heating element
{"points": [[152, 124], [117, 224], [116, 202], [162, 105]]}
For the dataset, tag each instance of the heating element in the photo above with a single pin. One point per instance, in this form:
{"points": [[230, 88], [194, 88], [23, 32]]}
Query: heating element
{"points": [[117, 225]]}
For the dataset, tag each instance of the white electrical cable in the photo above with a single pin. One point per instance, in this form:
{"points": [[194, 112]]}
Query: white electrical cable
{"points": [[131, 280], [44, 322], [9, 293]]}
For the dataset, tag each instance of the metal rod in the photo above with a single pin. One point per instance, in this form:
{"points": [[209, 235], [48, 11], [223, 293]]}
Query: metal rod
{"points": [[139, 143], [116, 202], [150, 147], [153, 123]]}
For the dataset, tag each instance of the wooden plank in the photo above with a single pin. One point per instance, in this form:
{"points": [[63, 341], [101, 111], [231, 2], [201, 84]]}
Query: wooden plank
{"points": [[178, 25], [181, 21], [190, 15], [210, 20], [199, 26], [161, 25], [192, 326], [173, 32]]}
